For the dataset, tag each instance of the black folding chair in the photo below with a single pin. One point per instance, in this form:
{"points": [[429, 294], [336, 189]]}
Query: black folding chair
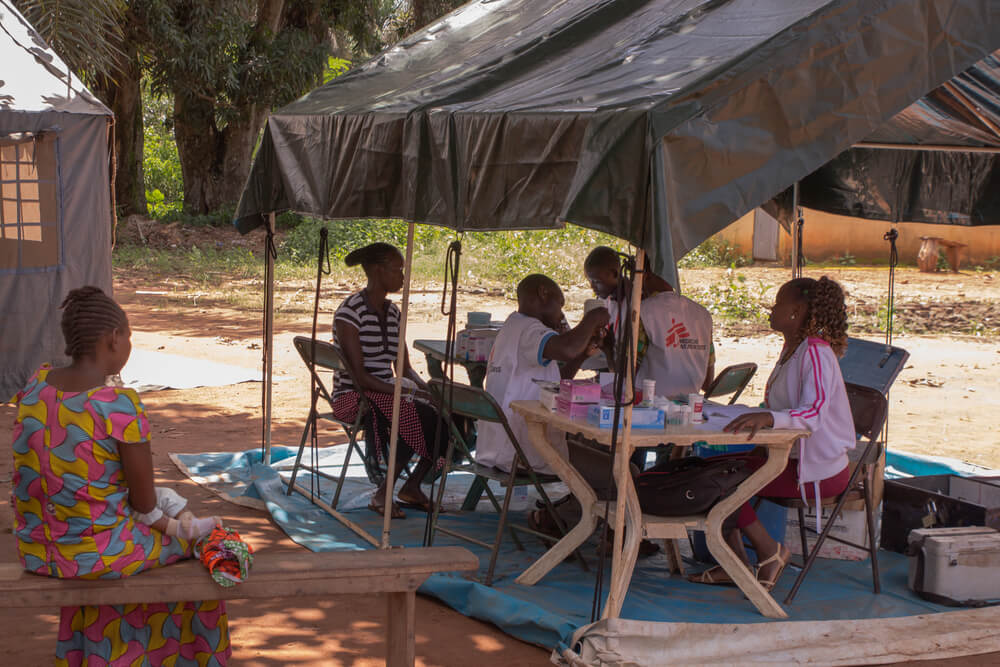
{"points": [[328, 357], [871, 364], [869, 408], [731, 379], [461, 400]]}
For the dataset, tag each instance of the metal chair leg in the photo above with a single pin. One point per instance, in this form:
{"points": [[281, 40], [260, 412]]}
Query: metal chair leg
{"points": [[872, 545], [343, 469], [436, 510], [310, 422], [500, 525], [803, 536]]}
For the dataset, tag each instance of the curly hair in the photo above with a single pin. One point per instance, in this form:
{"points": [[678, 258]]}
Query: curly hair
{"points": [[88, 314], [826, 314]]}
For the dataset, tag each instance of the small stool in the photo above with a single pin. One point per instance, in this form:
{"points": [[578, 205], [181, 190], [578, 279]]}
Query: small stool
{"points": [[927, 257]]}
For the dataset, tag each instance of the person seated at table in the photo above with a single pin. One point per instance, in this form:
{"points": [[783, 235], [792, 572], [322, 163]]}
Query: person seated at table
{"points": [[528, 343], [366, 327], [675, 333], [805, 391]]}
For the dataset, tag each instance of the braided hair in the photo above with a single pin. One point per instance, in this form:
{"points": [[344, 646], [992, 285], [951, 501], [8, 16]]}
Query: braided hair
{"points": [[371, 255], [826, 314], [88, 314]]}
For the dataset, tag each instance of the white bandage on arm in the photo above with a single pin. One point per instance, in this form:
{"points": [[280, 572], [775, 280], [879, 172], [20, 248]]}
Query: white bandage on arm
{"points": [[168, 500], [148, 518]]}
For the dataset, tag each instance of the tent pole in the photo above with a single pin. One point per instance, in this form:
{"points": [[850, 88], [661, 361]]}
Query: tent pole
{"points": [[927, 147], [397, 391], [624, 555], [268, 336], [796, 232]]}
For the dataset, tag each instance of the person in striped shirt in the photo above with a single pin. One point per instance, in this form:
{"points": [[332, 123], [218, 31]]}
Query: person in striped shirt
{"points": [[804, 391], [366, 327]]}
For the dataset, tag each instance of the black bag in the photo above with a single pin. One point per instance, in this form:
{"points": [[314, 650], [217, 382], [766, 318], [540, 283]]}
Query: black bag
{"points": [[689, 485]]}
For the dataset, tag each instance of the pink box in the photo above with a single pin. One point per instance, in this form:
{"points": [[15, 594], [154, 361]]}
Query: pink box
{"points": [[580, 391], [572, 409]]}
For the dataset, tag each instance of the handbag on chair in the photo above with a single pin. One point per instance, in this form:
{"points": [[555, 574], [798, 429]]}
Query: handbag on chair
{"points": [[689, 485]]}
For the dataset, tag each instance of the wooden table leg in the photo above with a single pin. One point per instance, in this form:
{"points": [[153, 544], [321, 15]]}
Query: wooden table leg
{"points": [[579, 488], [621, 571], [741, 575], [400, 632]]}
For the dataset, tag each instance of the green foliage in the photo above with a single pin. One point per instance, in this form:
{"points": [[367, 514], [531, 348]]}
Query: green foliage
{"points": [[714, 252], [492, 258], [882, 315], [736, 299], [942, 261], [992, 264], [161, 165], [302, 241], [85, 33], [847, 259], [209, 266], [334, 68]]}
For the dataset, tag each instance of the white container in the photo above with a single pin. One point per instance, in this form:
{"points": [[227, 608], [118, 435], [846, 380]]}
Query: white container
{"points": [[697, 404], [548, 398], [850, 526], [960, 564], [648, 392]]}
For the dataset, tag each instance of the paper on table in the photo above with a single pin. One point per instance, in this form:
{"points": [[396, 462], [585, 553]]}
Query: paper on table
{"points": [[717, 416]]}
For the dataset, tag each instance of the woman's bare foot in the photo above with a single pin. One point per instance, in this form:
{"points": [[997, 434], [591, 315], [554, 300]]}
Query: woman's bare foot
{"points": [[414, 497]]}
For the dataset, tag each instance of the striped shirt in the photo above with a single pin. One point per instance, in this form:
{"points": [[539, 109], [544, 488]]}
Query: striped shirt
{"points": [[379, 342]]}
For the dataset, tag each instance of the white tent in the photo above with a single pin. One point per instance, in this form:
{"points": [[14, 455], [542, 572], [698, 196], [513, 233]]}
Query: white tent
{"points": [[55, 197]]}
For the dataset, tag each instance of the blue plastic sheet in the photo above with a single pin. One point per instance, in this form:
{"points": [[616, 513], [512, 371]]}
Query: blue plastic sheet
{"points": [[548, 613]]}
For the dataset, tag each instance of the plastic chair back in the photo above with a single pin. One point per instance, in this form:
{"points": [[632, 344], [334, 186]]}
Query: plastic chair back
{"points": [[467, 401], [731, 379], [869, 408], [872, 364]]}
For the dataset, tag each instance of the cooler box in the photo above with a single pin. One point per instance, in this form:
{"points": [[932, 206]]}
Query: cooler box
{"points": [[958, 566], [937, 501]]}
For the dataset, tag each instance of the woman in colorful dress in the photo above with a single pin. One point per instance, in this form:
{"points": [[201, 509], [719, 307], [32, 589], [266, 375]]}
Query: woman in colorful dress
{"points": [[366, 327], [82, 468]]}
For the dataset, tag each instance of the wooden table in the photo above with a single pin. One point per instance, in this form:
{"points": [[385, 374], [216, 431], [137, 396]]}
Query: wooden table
{"points": [[778, 441], [434, 353]]}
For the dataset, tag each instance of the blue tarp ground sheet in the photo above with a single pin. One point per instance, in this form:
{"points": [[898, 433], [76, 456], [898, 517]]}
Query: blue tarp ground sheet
{"points": [[548, 613]]}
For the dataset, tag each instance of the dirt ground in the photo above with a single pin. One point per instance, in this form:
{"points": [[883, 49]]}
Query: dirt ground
{"points": [[945, 402]]}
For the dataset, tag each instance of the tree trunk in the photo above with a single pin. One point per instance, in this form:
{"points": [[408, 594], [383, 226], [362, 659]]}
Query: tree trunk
{"points": [[123, 96], [214, 163], [425, 11]]}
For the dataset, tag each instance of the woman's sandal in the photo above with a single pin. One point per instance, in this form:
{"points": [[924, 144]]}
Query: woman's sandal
{"points": [[378, 508], [713, 576], [776, 557]]}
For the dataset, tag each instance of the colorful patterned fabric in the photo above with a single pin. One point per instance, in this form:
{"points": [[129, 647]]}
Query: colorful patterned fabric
{"points": [[225, 554], [72, 520]]}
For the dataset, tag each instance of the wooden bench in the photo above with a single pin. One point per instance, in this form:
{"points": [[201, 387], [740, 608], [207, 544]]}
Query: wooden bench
{"points": [[927, 256], [396, 572]]}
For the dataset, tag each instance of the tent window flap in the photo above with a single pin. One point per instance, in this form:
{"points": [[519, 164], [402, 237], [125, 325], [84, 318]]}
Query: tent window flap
{"points": [[30, 208]]}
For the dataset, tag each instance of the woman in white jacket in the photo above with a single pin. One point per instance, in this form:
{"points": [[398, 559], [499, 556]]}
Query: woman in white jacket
{"points": [[805, 390]]}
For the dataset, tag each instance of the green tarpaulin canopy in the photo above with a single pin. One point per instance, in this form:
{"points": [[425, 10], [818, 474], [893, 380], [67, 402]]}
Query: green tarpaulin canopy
{"points": [[659, 121]]}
